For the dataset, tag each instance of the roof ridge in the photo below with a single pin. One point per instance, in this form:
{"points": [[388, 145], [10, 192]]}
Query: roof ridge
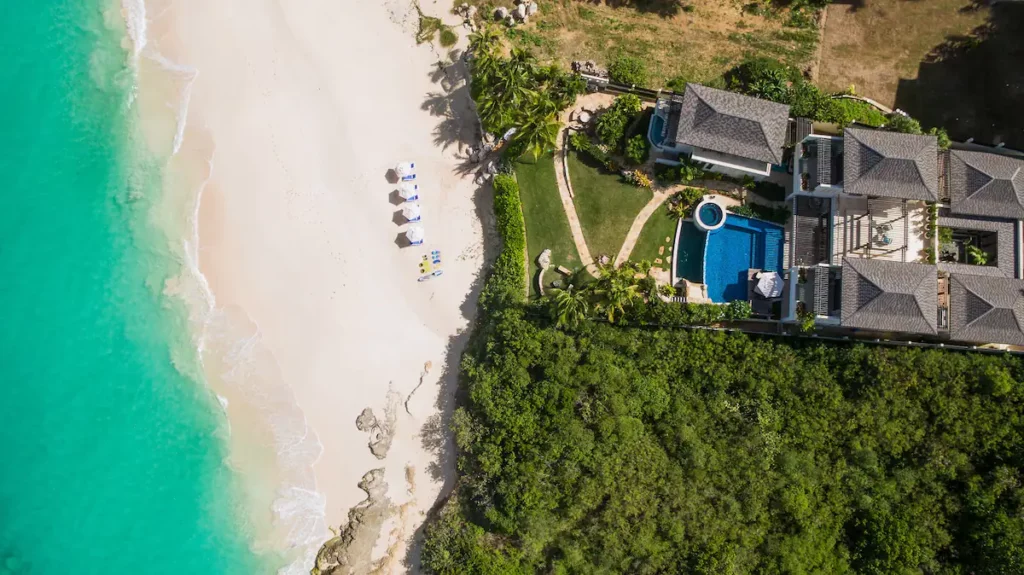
{"points": [[917, 300], [990, 305]]}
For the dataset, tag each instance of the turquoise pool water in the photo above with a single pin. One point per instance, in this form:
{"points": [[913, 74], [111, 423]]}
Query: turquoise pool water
{"points": [[742, 243], [654, 131], [690, 252], [113, 456]]}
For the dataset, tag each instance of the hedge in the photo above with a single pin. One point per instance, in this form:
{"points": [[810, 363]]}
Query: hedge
{"points": [[667, 314], [507, 284]]}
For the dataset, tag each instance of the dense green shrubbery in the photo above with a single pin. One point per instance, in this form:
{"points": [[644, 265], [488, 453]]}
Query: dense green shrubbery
{"points": [[668, 314], [778, 215], [637, 149], [640, 451], [507, 284], [628, 71], [612, 123], [684, 173]]}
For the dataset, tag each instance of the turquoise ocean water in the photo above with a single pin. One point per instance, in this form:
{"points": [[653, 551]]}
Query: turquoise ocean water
{"points": [[111, 460]]}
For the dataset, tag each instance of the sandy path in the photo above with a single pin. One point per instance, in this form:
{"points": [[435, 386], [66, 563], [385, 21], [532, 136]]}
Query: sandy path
{"points": [[301, 108]]}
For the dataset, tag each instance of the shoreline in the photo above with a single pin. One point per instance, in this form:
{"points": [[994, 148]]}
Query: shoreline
{"points": [[306, 309]]}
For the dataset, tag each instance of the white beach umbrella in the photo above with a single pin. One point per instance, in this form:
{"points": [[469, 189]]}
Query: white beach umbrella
{"points": [[405, 169], [415, 235], [770, 285], [409, 191], [411, 212]]}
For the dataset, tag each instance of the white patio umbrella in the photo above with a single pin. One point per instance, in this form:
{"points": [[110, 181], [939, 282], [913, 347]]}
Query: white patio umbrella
{"points": [[409, 191], [770, 284], [406, 170], [411, 212], [415, 235]]}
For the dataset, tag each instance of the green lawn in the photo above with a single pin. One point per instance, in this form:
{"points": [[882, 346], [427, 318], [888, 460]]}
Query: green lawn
{"points": [[606, 206], [659, 227], [546, 224]]}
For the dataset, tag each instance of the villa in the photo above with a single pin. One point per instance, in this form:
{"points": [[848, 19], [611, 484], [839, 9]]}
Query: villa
{"points": [[889, 236], [723, 131]]}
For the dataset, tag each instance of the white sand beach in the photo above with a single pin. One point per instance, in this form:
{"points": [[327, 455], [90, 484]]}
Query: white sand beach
{"points": [[295, 113]]}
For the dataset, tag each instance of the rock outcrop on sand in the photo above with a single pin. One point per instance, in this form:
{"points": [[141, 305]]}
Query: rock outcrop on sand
{"points": [[382, 432], [351, 552]]}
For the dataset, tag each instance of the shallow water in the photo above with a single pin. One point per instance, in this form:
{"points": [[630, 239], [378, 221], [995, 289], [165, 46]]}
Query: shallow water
{"points": [[113, 448]]}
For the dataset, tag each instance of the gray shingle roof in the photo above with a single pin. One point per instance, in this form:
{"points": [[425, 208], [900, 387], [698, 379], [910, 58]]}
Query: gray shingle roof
{"points": [[883, 295], [983, 184], [890, 164], [732, 124], [986, 309]]}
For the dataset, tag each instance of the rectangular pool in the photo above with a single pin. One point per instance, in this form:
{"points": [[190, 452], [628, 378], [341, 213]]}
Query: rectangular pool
{"points": [[742, 243], [690, 252]]}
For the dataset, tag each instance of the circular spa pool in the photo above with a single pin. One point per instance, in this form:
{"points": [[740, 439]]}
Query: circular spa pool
{"points": [[708, 216]]}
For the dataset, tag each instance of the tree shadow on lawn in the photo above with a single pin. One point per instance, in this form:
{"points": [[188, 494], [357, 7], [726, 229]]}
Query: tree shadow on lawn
{"points": [[973, 85]]}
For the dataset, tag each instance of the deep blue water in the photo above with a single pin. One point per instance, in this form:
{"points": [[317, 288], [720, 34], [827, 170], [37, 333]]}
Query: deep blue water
{"points": [[742, 243]]}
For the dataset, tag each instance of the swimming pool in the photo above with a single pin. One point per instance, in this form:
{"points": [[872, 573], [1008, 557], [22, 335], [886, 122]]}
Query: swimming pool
{"points": [[654, 131], [721, 258], [690, 252], [742, 243]]}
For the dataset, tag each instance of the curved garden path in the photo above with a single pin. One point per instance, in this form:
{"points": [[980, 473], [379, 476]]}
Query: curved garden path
{"points": [[639, 222]]}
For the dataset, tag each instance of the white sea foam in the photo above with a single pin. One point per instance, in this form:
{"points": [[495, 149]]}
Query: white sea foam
{"points": [[246, 365], [188, 76], [134, 12], [249, 368]]}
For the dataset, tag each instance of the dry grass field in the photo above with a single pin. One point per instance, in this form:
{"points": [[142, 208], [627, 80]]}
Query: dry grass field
{"points": [[695, 41]]}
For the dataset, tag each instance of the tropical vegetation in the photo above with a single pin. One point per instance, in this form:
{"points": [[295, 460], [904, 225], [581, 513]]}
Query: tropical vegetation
{"points": [[612, 123], [628, 71], [517, 93]]}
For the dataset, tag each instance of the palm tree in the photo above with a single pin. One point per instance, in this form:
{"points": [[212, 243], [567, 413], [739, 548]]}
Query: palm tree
{"points": [[616, 289], [539, 126], [569, 306]]}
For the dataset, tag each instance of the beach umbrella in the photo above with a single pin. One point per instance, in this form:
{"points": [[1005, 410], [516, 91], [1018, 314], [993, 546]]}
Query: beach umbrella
{"points": [[411, 212], [409, 192], [406, 170], [415, 235], [770, 285]]}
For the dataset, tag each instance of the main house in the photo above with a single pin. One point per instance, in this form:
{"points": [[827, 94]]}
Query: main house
{"points": [[890, 236], [723, 131]]}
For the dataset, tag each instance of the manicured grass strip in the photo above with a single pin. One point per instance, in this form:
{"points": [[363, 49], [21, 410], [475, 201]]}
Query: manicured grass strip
{"points": [[546, 224], [661, 225], [606, 206]]}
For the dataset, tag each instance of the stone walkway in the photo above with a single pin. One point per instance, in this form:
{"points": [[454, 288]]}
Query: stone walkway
{"points": [[638, 224]]}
